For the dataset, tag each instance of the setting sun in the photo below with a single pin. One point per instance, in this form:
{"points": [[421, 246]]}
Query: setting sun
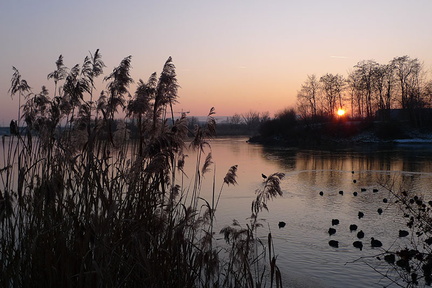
{"points": [[341, 112]]}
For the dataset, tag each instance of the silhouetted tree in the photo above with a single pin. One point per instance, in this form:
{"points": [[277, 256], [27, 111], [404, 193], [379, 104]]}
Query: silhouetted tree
{"points": [[365, 76], [252, 119], [236, 119], [408, 73], [427, 92], [372, 86], [332, 87], [282, 126], [308, 96], [356, 94], [383, 84]]}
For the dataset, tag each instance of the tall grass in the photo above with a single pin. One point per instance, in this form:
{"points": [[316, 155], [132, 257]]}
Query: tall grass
{"points": [[82, 205]]}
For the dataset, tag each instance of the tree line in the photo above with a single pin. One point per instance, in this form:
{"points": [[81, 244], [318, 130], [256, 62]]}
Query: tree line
{"points": [[370, 86]]}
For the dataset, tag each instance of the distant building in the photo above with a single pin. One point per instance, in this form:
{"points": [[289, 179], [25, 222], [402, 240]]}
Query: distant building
{"points": [[392, 115], [414, 116]]}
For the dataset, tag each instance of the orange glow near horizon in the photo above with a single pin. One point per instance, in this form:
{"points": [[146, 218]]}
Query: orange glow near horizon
{"points": [[341, 112]]}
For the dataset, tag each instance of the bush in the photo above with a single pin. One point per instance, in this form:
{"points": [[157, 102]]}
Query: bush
{"points": [[389, 130], [284, 124]]}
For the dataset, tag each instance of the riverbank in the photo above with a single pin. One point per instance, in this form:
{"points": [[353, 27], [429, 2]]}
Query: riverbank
{"points": [[347, 135]]}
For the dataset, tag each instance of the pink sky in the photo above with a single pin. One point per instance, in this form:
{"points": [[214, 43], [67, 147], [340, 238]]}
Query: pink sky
{"points": [[234, 55]]}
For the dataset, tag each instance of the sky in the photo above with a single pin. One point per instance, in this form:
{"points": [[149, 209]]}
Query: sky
{"points": [[237, 56]]}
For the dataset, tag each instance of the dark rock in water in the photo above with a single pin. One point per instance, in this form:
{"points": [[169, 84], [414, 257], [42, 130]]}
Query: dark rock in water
{"points": [[358, 244], [334, 243], [380, 211], [375, 243], [360, 234], [390, 258], [335, 222], [331, 231], [281, 224], [353, 227], [403, 263], [403, 233], [360, 214]]}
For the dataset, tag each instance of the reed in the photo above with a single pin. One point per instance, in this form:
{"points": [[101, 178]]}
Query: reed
{"points": [[81, 205]]}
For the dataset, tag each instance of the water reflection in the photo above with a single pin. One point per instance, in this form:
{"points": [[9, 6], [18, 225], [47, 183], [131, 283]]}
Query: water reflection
{"points": [[392, 167], [305, 258]]}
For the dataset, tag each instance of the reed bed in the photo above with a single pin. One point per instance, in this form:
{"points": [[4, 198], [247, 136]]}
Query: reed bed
{"points": [[83, 205]]}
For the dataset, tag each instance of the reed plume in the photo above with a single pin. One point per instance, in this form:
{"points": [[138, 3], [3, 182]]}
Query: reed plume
{"points": [[93, 200]]}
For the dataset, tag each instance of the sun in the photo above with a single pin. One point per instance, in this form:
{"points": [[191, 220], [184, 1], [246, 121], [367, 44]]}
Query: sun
{"points": [[341, 112]]}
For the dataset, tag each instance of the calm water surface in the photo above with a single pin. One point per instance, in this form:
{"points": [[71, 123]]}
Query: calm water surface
{"points": [[305, 258]]}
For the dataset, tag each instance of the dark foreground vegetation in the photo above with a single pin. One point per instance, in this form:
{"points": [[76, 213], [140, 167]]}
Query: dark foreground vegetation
{"points": [[410, 265], [83, 206]]}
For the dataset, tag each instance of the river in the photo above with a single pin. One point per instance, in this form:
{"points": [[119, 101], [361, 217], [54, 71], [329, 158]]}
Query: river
{"points": [[304, 255]]}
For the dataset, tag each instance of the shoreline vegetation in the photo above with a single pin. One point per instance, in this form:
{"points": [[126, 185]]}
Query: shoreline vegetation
{"points": [[374, 103], [288, 130], [84, 204]]}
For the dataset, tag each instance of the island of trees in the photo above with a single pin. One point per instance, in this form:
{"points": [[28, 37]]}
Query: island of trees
{"points": [[381, 101]]}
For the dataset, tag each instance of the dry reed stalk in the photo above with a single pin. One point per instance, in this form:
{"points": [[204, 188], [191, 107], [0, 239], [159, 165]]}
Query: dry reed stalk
{"points": [[81, 207]]}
